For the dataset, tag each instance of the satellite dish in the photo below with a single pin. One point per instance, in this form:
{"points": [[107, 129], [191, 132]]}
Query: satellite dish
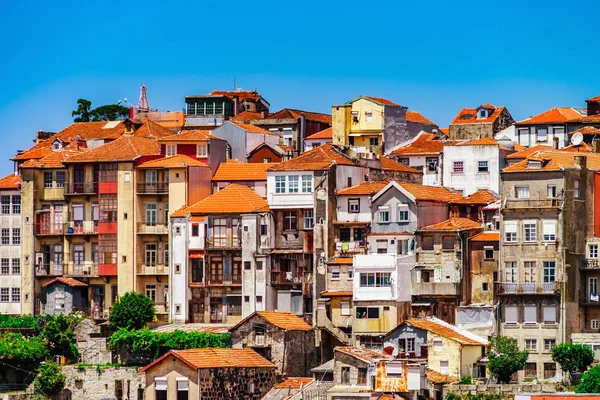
{"points": [[577, 138]]}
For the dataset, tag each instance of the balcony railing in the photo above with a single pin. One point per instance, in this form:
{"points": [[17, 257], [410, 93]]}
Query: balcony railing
{"points": [[528, 288], [76, 188], [350, 247], [153, 228], [224, 242], [85, 269], [152, 269], [50, 269], [153, 187], [434, 289], [225, 279], [286, 277], [80, 227], [49, 229], [533, 203], [592, 263]]}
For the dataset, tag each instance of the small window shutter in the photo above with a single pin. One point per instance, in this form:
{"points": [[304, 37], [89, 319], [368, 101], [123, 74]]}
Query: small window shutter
{"points": [[550, 314], [530, 314], [160, 383], [549, 227], [95, 210], [78, 213], [511, 315], [345, 307], [182, 385], [437, 275], [510, 227]]}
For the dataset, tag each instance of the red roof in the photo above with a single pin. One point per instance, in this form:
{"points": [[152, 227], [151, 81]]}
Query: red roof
{"points": [[247, 116], [293, 383], [234, 199], [482, 196], [383, 101], [189, 136], [152, 130], [236, 171], [362, 353], [430, 193], [126, 148], [288, 113], [341, 293], [67, 281], [240, 94], [417, 118], [425, 143], [341, 261], [363, 188], [593, 99], [469, 115], [525, 153], [587, 130], [453, 224], [216, 358], [387, 164], [324, 134], [176, 161], [446, 330], [486, 237], [578, 148], [253, 128], [556, 115], [317, 159], [588, 119], [11, 181], [285, 320]]}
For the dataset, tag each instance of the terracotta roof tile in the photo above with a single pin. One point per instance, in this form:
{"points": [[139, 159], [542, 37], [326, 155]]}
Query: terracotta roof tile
{"points": [[11, 181], [477, 142], [152, 130], [453, 224], [518, 147], [340, 261], [176, 161], [216, 358], [234, 199], [594, 99], [387, 164], [67, 281], [288, 113], [324, 134], [317, 159], [285, 320], [482, 196], [578, 148], [125, 148], [293, 383], [174, 120], [236, 171], [362, 353], [240, 94], [418, 118], [586, 119], [557, 115], [445, 131], [587, 130], [469, 116], [528, 151], [447, 331], [425, 143], [189, 136], [486, 237], [363, 188], [341, 293], [438, 377], [553, 161], [247, 116], [252, 128], [431, 193], [383, 101]]}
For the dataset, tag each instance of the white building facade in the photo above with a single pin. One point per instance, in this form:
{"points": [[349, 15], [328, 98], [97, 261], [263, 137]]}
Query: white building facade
{"points": [[10, 246]]}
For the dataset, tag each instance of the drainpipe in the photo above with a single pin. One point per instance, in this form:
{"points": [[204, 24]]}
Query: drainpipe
{"points": [[302, 135], [198, 385]]}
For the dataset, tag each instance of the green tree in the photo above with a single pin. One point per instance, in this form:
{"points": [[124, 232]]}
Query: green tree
{"points": [[83, 112], [573, 357], [590, 381], [505, 357], [132, 311], [59, 335], [110, 112], [50, 379]]}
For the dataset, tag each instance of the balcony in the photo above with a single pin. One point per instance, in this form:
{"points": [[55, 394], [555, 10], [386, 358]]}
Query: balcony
{"points": [[225, 279], [591, 264], [152, 269], [80, 188], [80, 228], [228, 242], [524, 204], [83, 270], [48, 229], [434, 289], [528, 288], [50, 269], [350, 247], [153, 228], [289, 278], [152, 188]]}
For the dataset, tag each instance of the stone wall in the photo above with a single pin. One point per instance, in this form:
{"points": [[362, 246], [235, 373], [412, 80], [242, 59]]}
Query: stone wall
{"points": [[235, 383], [92, 343], [499, 389], [97, 382]]}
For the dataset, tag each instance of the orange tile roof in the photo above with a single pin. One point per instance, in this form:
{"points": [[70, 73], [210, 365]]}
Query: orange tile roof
{"points": [[431, 193], [216, 358], [11, 181], [383, 101], [482, 196], [317, 159], [587, 130], [445, 131], [363, 188], [387, 164], [528, 151], [237, 171], [477, 142], [595, 98], [556, 115], [469, 116], [125, 148], [578, 148], [554, 161], [247, 116], [234, 199], [425, 143], [453, 224], [341, 293], [362, 353], [189, 136], [340, 261], [252, 128], [324, 134], [438, 377], [173, 120], [152, 130], [293, 383], [518, 147], [240, 94], [445, 330], [54, 159], [285, 320], [176, 161], [486, 237], [418, 118], [583, 119], [67, 281], [288, 113]]}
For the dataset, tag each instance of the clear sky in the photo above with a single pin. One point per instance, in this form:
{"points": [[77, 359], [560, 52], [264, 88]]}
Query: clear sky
{"points": [[434, 57]]}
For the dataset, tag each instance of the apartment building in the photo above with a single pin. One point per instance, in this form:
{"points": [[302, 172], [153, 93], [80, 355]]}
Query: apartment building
{"points": [[482, 122], [549, 128], [10, 246], [425, 153]]}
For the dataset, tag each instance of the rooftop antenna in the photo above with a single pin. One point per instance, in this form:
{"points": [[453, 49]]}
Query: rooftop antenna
{"points": [[143, 103]]}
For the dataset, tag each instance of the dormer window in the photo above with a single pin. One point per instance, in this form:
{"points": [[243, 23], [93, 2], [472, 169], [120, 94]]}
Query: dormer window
{"points": [[482, 113], [534, 164], [57, 145]]}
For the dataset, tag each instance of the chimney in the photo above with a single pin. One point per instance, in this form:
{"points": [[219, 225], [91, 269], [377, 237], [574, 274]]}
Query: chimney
{"points": [[580, 161], [596, 145], [302, 133], [263, 114], [236, 100], [555, 143]]}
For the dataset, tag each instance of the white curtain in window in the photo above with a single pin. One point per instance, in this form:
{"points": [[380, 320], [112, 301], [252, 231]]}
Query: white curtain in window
{"points": [[510, 226]]}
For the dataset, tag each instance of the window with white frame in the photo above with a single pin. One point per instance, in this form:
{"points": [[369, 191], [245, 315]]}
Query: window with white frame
{"points": [[542, 134], [529, 269], [444, 367], [306, 184], [16, 236], [510, 231], [150, 256], [593, 250], [384, 214], [576, 188], [549, 227], [5, 204], [309, 219], [289, 221], [47, 180], [521, 192], [335, 273], [151, 292], [201, 150], [4, 266], [530, 314], [549, 271], [369, 115], [510, 315], [171, 150], [438, 344], [482, 167], [548, 344], [16, 295], [4, 295], [531, 344], [458, 167], [529, 231], [551, 191], [402, 213], [353, 205], [16, 204], [549, 315], [594, 324], [345, 307], [293, 182], [432, 164], [510, 269], [280, 184]]}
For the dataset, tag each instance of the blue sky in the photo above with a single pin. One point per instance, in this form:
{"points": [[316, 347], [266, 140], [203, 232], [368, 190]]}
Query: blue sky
{"points": [[434, 57]]}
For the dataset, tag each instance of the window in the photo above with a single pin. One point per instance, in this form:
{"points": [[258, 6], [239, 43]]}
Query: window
{"points": [[549, 315], [551, 191], [309, 219], [160, 387], [108, 207], [16, 266], [448, 242], [375, 279], [362, 377], [171, 150], [549, 370], [16, 238], [548, 343], [59, 298], [16, 295], [259, 265], [482, 167], [530, 370], [549, 271], [48, 180], [293, 183], [358, 234], [382, 245], [485, 287], [5, 236], [402, 213], [259, 299], [489, 254], [345, 308], [5, 204], [289, 221], [4, 295], [306, 184], [530, 231], [195, 230], [510, 231], [531, 344], [510, 314], [151, 292], [594, 324], [263, 230], [373, 141], [530, 314], [4, 266], [593, 251], [353, 205], [60, 179], [427, 243], [576, 188], [345, 375], [438, 345], [16, 204], [549, 230], [280, 184], [107, 248], [510, 269], [119, 389], [201, 150], [521, 192], [350, 273], [384, 214], [219, 232], [444, 367], [542, 134], [458, 167], [335, 273], [247, 265], [369, 115], [108, 172], [432, 164], [367, 312], [529, 269], [593, 288], [404, 161]]}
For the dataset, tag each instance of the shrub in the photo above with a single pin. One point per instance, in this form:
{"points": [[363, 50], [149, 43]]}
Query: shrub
{"points": [[50, 380], [59, 335], [590, 381], [573, 357], [20, 351], [505, 358], [132, 311]]}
